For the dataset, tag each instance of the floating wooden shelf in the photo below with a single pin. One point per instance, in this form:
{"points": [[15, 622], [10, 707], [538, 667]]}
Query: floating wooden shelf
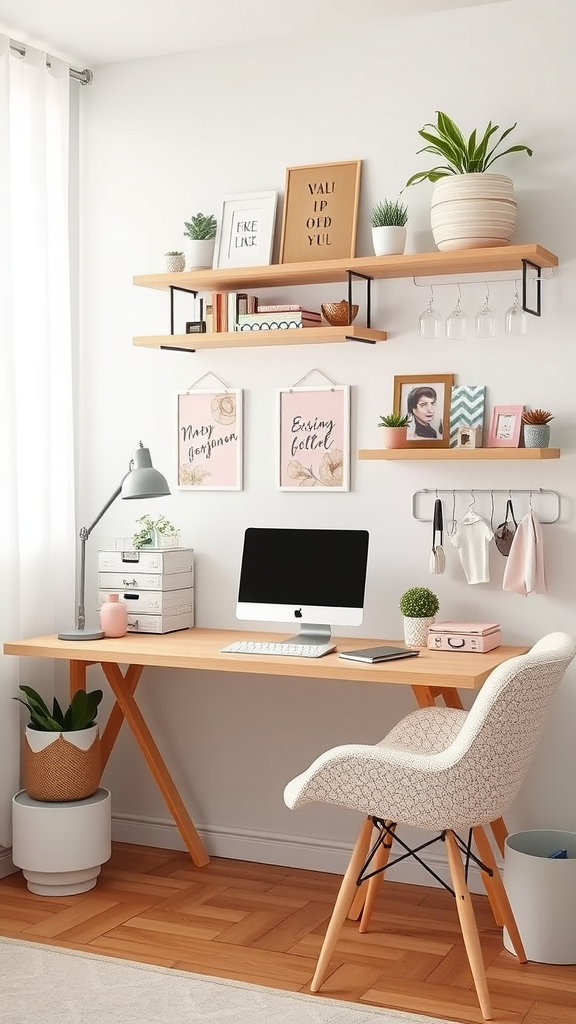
{"points": [[251, 339], [422, 264], [456, 454]]}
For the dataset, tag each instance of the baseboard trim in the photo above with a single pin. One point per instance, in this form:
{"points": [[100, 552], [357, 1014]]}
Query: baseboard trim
{"points": [[276, 848], [7, 866]]}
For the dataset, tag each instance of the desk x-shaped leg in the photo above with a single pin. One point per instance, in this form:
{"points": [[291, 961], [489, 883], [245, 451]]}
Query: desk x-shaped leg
{"points": [[126, 708]]}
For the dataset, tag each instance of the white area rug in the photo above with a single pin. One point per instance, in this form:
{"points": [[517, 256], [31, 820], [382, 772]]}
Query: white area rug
{"points": [[48, 985]]}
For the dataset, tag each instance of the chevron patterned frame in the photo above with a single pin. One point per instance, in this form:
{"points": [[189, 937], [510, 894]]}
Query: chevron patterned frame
{"points": [[466, 408]]}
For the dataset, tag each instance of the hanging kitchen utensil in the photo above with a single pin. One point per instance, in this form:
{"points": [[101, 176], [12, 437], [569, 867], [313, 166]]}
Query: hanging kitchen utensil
{"points": [[504, 534], [437, 555]]}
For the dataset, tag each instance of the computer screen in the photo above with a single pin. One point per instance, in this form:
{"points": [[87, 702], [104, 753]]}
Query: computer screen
{"points": [[313, 578]]}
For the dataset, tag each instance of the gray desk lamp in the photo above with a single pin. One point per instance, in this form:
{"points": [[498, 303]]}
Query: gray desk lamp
{"points": [[141, 481]]}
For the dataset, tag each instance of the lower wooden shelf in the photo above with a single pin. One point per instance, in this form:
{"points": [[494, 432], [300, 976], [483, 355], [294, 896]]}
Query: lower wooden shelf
{"points": [[251, 339], [456, 454]]}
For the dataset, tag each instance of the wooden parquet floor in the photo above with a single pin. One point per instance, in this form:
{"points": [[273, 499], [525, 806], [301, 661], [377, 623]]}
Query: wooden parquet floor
{"points": [[264, 924]]}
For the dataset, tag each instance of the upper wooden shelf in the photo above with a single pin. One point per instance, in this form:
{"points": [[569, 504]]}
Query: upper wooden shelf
{"points": [[457, 454], [422, 264]]}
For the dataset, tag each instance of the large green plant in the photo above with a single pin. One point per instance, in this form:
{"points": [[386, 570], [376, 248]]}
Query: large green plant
{"points": [[463, 156], [200, 227], [80, 714]]}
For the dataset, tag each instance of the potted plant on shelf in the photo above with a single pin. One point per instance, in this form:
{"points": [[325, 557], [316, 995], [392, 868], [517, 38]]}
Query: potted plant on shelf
{"points": [[155, 533], [201, 237], [175, 262], [470, 208], [536, 428], [388, 220], [394, 430], [61, 751], [418, 606]]}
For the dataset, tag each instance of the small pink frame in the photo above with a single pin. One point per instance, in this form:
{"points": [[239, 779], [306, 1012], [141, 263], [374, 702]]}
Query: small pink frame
{"points": [[505, 426]]}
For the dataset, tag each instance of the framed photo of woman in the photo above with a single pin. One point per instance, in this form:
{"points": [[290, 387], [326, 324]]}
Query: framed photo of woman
{"points": [[425, 399]]}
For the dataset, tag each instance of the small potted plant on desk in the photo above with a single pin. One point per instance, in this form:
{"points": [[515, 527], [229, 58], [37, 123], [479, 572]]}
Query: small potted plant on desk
{"points": [[201, 238], [418, 606], [388, 220], [61, 750], [536, 428], [394, 429]]}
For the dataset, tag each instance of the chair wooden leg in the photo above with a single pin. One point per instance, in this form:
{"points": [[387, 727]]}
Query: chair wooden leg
{"points": [[374, 884], [343, 903], [488, 882], [500, 894], [500, 833], [358, 902], [468, 925]]}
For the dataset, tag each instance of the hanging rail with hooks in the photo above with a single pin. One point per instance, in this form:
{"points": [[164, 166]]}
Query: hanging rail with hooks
{"points": [[530, 274], [473, 492]]}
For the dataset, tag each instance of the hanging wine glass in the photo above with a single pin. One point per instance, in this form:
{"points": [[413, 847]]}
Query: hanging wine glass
{"points": [[484, 324], [456, 321], [515, 318], [430, 321]]}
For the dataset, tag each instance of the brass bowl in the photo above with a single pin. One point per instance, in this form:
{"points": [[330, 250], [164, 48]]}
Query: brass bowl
{"points": [[336, 313]]}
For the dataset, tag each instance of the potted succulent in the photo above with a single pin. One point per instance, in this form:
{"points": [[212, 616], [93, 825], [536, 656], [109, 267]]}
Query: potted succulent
{"points": [[388, 220], [175, 262], [536, 428], [418, 606], [470, 208], [201, 237], [394, 429], [61, 751]]}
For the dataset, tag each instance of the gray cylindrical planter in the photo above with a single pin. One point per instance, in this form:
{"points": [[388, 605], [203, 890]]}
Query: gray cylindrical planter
{"points": [[542, 894], [536, 435]]}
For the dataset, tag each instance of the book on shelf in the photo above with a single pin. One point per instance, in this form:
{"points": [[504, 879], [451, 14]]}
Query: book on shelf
{"points": [[258, 318], [282, 322], [287, 308]]}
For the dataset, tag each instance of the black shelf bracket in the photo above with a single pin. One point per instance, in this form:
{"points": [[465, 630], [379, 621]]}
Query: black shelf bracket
{"points": [[368, 280], [533, 266], [176, 288]]}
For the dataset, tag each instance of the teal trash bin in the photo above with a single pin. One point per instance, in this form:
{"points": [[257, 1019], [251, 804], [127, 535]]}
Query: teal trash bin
{"points": [[542, 894]]}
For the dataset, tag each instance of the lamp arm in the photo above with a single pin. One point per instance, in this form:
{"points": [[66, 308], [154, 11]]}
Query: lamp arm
{"points": [[84, 534]]}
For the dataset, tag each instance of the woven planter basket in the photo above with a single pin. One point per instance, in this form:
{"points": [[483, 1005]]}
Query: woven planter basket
{"points": [[416, 630], [62, 771]]}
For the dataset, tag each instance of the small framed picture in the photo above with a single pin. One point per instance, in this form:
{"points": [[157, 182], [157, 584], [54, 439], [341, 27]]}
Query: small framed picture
{"points": [[313, 443], [505, 426], [245, 232], [210, 439], [425, 400], [320, 212]]}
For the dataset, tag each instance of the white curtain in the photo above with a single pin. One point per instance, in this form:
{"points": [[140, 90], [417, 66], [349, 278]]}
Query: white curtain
{"points": [[37, 530]]}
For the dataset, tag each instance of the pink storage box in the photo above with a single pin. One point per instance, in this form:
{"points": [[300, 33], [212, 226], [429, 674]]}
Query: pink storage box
{"points": [[470, 637]]}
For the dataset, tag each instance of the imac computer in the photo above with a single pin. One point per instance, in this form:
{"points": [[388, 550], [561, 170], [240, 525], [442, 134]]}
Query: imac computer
{"points": [[311, 578]]}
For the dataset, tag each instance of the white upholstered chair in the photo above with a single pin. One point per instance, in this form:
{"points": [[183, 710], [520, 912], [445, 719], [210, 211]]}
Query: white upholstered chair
{"points": [[445, 770]]}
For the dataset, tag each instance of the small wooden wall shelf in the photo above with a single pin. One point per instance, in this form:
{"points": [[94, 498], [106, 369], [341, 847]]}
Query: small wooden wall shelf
{"points": [[251, 339], [456, 454]]}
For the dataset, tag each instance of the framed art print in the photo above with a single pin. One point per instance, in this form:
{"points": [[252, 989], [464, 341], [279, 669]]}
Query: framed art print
{"points": [[313, 438], [505, 426], [210, 440], [425, 399], [320, 212], [245, 231], [466, 410]]}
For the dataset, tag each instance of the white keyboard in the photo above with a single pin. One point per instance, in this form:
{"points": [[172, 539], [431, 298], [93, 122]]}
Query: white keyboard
{"points": [[296, 650]]}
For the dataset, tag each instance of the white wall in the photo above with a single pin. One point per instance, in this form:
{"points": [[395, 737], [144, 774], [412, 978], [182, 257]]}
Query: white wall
{"points": [[166, 137]]}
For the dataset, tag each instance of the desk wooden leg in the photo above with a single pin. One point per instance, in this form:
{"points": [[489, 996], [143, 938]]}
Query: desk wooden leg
{"points": [[77, 676], [145, 741], [116, 717]]}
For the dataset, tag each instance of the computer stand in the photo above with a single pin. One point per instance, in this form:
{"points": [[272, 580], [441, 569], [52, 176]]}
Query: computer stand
{"points": [[312, 633]]}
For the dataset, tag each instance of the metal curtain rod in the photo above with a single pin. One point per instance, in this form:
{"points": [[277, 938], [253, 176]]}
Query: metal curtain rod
{"points": [[471, 492], [85, 77]]}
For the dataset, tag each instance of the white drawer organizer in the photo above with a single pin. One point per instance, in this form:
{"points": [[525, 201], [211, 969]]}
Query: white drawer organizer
{"points": [[157, 584]]}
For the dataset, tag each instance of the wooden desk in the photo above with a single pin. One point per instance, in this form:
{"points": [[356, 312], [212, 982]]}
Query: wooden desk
{"points": [[432, 675]]}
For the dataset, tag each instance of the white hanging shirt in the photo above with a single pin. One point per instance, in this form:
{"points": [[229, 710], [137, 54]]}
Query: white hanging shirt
{"points": [[471, 539]]}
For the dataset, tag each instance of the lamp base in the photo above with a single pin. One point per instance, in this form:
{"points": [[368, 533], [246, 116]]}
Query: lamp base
{"points": [[82, 634]]}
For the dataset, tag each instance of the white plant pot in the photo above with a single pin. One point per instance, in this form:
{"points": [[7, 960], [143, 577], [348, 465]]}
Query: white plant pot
{"points": [[199, 253], [416, 630], [473, 211], [388, 241]]}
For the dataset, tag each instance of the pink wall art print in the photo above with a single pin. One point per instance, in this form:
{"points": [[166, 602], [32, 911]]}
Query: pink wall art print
{"points": [[314, 438], [210, 440]]}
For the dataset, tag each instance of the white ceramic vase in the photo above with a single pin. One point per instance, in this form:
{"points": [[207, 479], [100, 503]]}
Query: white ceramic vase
{"points": [[199, 253], [388, 240], [416, 630], [473, 211]]}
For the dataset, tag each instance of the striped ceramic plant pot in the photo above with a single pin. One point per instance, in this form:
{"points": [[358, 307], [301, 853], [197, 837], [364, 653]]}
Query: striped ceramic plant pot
{"points": [[473, 211]]}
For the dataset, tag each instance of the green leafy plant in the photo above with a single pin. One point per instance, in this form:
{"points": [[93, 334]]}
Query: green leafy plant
{"points": [[200, 227], [150, 527], [418, 603], [173, 253], [390, 213], [463, 156], [536, 417], [394, 419], [80, 714]]}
